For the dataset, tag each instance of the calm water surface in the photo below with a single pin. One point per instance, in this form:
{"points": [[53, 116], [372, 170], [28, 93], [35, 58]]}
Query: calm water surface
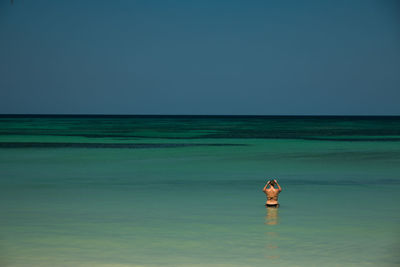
{"points": [[186, 191]]}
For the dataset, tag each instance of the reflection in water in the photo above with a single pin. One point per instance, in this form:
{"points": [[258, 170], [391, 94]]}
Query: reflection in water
{"points": [[271, 220], [272, 216]]}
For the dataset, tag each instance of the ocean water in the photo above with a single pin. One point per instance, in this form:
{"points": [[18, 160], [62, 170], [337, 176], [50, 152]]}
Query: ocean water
{"points": [[187, 191]]}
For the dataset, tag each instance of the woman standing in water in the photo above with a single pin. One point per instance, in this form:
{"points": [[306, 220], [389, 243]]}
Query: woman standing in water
{"points": [[272, 193]]}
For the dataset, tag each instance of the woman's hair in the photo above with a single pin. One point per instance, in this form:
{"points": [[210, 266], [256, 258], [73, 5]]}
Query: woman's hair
{"points": [[272, 182]]}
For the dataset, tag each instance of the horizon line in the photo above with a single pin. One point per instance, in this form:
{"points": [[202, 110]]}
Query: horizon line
{"points": [[182, 115]]}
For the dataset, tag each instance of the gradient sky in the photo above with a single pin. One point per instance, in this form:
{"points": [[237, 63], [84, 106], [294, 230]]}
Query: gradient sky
{"points": [[200, 57]]}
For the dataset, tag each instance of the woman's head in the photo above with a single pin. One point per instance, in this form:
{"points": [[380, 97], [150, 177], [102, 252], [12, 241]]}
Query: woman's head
{"points": [[272, 182]]}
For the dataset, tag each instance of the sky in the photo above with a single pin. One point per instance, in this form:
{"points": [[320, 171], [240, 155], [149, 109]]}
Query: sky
{"points": [[249, 57]]}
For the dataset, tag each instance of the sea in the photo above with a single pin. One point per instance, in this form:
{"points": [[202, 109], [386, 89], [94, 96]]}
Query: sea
{"points": [[185, 191]]}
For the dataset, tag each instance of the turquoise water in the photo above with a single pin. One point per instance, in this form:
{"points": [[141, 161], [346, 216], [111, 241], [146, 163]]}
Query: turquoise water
{"points": [[186, 191]]}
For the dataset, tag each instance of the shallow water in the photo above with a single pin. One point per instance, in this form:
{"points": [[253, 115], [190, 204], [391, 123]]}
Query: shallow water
{"points": [[187, 191]]}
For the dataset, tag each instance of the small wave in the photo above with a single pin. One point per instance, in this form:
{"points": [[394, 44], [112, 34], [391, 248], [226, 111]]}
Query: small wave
{"points": [[105, 145]]}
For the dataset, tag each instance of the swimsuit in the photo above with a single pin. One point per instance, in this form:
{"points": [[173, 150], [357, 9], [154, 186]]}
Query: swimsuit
{"points": [[272, 205]]}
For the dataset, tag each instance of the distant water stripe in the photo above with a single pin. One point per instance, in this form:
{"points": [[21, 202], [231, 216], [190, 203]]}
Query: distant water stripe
{"points": [[363, 139], [210, 136], [103, 145], [325, 128]]}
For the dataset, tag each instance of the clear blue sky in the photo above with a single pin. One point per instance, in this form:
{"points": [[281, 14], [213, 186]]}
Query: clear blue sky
{"points": [[200, 57]]}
